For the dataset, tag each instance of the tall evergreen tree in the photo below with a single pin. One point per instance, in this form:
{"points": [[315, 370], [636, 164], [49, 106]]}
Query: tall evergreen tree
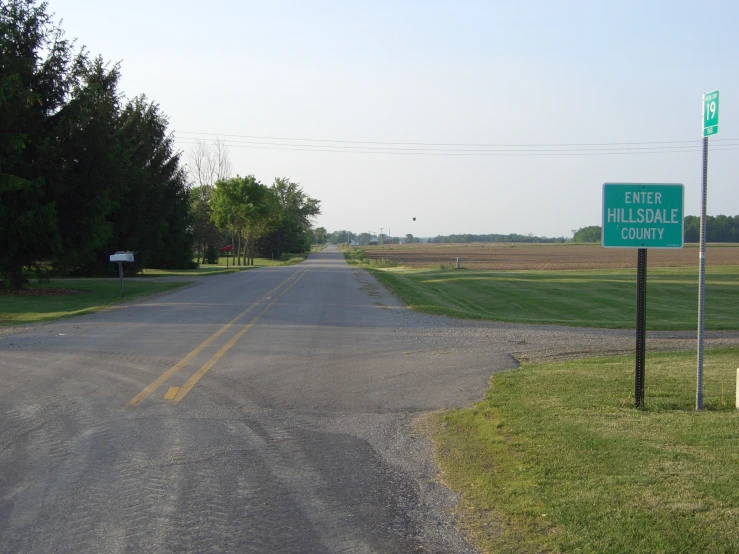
{"points": [[93, 165], [34, 83]]}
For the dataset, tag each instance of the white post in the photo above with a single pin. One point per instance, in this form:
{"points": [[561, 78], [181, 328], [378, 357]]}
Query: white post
{"points": [[459, 264]]}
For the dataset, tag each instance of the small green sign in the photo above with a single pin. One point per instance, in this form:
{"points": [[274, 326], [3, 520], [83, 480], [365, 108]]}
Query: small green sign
{"points": [[637, 215], [710, 113]]}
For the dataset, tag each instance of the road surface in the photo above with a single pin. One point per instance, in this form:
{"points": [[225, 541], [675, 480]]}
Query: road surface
{"points": [[272, 410]]}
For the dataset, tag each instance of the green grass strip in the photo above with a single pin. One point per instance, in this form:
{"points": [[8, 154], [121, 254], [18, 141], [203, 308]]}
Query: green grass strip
{"points": [[593, 298], [555, 458], [94, 295]]}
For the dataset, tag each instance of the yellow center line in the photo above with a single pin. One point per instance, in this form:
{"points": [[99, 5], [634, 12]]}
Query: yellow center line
{"points": [[179, 365], [192, 381]]}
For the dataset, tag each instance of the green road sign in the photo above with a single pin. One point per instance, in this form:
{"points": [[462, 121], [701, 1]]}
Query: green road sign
{"points": [[637, 215], [710, 113]]}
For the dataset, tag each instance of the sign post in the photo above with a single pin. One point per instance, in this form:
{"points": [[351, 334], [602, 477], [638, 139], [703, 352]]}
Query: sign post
{"points": [[120, 257], [710, 127], [642, 216]]}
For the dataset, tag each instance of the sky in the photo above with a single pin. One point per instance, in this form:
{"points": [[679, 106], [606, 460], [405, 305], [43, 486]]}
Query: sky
{"points": [[460, 114]]}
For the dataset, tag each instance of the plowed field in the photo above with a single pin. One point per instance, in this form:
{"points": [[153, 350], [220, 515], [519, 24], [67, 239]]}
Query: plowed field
{"points": [[519, 256]]}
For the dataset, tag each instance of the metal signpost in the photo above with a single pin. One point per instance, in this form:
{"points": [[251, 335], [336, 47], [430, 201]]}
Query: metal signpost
{"points": [[710, 127], [642, 216]]}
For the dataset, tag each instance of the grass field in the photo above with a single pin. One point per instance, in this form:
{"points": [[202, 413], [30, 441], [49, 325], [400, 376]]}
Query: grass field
{"points": [[525, 256], [604, 298], [588, 298], [556, 459], [93, 295]]}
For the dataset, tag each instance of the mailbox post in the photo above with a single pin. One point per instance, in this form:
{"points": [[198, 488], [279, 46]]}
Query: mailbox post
{"points": [[120, 257]]}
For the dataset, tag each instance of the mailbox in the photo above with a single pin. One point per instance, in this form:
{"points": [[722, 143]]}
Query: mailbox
{"points": [[121, 257]]}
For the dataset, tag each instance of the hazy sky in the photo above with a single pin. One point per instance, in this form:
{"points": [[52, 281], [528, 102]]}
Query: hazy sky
{"points": [[512, 74]]}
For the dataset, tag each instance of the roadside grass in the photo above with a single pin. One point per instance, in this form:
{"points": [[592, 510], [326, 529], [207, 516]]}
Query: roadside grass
{"points": [[584, 298], [556, 459], [358, 257], [95, 295]]}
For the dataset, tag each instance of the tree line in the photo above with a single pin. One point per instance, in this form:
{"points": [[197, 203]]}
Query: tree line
{"points": [[251, 219], [492, 237], [85, 171], [720, 228]]}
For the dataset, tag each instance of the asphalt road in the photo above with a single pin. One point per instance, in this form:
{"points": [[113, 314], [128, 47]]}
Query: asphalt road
{"points": [[290, 429], [272, 410]]}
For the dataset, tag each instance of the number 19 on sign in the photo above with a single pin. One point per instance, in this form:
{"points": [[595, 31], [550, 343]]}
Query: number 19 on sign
{"points": [[710, 113]]}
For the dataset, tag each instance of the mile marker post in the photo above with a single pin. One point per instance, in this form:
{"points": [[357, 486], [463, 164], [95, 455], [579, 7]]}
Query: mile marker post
{"points": [[710, 127]]}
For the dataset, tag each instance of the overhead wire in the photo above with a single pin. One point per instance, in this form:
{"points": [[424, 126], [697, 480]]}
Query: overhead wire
{"points": [[444, 144], [190, 138]]}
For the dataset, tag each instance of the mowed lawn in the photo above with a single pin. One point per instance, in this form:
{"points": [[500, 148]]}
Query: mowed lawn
{"points": [[589, 298], [91, 295], [557, 459]]}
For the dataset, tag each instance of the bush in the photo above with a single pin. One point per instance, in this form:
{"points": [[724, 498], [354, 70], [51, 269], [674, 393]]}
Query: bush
{"points": [[211, 255]]}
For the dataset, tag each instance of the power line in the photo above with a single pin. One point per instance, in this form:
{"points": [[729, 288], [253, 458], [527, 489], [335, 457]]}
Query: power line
{"points": [[189, 141], [467, 150], [461, 144]]}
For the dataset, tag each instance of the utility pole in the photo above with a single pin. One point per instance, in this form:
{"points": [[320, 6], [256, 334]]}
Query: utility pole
{"points": [[380, 236]]}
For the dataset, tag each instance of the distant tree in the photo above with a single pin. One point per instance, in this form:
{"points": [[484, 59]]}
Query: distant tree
{"points": [[692, 228], [320, 234], [229, 205], [205, 232], [208, 163], [588, 234], [292, 230], [364, 238], [408, 238], [262, 216], [341, 237], [211, 255], [720, 228]]}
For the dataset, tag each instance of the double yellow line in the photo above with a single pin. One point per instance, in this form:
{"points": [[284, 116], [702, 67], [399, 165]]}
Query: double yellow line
{"points": [[176, 394]]}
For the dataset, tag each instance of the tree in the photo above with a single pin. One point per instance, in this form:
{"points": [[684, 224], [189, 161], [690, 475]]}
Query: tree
{"points": [[247, 208], [34, 83], [227, 206], [205, 232], [208, 164], [320, 234], [154, 214], [92, 164], [339, 237], [588, 234], [292, 230], [261, 216], [81, 174], [408, 238]]}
